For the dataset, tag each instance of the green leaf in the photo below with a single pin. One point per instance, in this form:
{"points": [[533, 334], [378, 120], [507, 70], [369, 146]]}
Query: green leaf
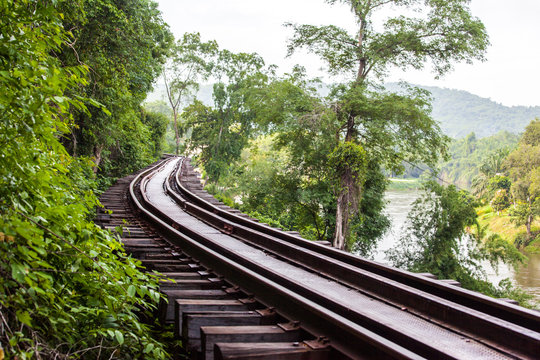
{"points": [[18, 272], [131, 290], [24, 317], [148, 348], [119, 337]]}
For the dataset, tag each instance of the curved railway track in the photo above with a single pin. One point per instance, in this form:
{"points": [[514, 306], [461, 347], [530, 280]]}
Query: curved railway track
{"points": [[238, 289]]}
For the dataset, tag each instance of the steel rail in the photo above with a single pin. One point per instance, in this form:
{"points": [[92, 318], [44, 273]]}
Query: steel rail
{"points": [[347, 337], [471, 299], [519, 337]]}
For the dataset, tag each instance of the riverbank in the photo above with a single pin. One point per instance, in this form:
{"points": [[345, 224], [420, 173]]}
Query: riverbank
{"points": [[500, 223], [396, 184], [399, 205]]}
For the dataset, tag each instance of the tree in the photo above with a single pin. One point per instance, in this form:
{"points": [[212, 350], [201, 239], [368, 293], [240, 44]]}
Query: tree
{"points": [[500, 200], [436, 224], [531, 136], [190, 62], [219, 133], [436, 240], [123, 43], [523, 166], [157, 124], [302, 191], [390, 127], [490, 179]]}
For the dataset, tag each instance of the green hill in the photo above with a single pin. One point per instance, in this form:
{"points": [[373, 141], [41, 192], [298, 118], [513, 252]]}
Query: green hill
{"points": [[461, 113]]}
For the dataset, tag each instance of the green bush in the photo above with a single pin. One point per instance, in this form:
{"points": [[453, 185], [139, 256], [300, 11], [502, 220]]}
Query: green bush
{"points": [[67, 289]]}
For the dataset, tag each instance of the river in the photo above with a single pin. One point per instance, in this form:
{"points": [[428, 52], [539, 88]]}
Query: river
{"points": [[399, 205]]}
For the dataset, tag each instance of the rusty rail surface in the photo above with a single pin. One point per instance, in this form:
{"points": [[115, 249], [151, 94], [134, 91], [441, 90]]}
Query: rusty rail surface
{"points": [[279, 305]]}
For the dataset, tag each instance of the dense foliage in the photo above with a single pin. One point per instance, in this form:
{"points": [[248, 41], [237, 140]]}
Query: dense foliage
{"points": [[436, 240], [471, 157], [67, 289], [220, 132], [523, 167], [507, 180], [124, 44]]}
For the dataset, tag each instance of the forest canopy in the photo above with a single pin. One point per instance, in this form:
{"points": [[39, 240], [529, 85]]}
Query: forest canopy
{"points": [[70, 88]]}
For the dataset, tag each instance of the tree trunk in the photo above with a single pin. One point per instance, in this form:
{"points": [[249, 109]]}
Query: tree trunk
{"points": [[216, 152], [342, 220], [528, 226], [98, 150], [176, 133], [348, 198], [74, 146]]}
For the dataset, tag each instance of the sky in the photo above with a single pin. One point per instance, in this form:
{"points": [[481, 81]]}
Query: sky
{"points": [[511, 74]]}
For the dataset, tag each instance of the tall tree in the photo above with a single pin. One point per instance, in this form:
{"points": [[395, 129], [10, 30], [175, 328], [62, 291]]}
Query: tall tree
{"points": [[219, 133], [123, 43], [523, 166], [191, 61], [390, 127], [301, 192]]}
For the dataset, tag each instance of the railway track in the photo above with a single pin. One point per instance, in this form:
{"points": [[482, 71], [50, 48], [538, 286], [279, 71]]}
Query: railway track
{"points": [[238, 289]]}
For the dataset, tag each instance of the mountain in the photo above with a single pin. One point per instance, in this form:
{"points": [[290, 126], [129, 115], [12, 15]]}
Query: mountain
{"points": [[458, 112]]}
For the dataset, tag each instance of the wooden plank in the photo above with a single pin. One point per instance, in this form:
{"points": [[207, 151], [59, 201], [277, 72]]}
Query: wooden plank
{"points": [[166, 307], [193, 321], [143, 247], [180, 284], [140, 252], [268, 351], [211, 335], [183, 275], [200, 305], [172, 268], [161, 256], [170, 265], [140, 241], [153, 262]]}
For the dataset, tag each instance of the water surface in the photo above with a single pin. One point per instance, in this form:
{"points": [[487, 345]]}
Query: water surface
{"points": [[399, 205]]}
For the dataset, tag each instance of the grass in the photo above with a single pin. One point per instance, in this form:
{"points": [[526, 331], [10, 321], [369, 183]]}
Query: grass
{"points": [[404, 184], [501, 224]]}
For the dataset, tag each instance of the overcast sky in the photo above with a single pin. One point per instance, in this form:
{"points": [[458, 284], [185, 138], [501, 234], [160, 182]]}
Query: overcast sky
{"points": [[511, 74]]}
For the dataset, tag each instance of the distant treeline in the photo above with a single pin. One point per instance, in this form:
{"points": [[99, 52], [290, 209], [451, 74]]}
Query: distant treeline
{"points": [[458, 112], [468, 154], [466, 157]]}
